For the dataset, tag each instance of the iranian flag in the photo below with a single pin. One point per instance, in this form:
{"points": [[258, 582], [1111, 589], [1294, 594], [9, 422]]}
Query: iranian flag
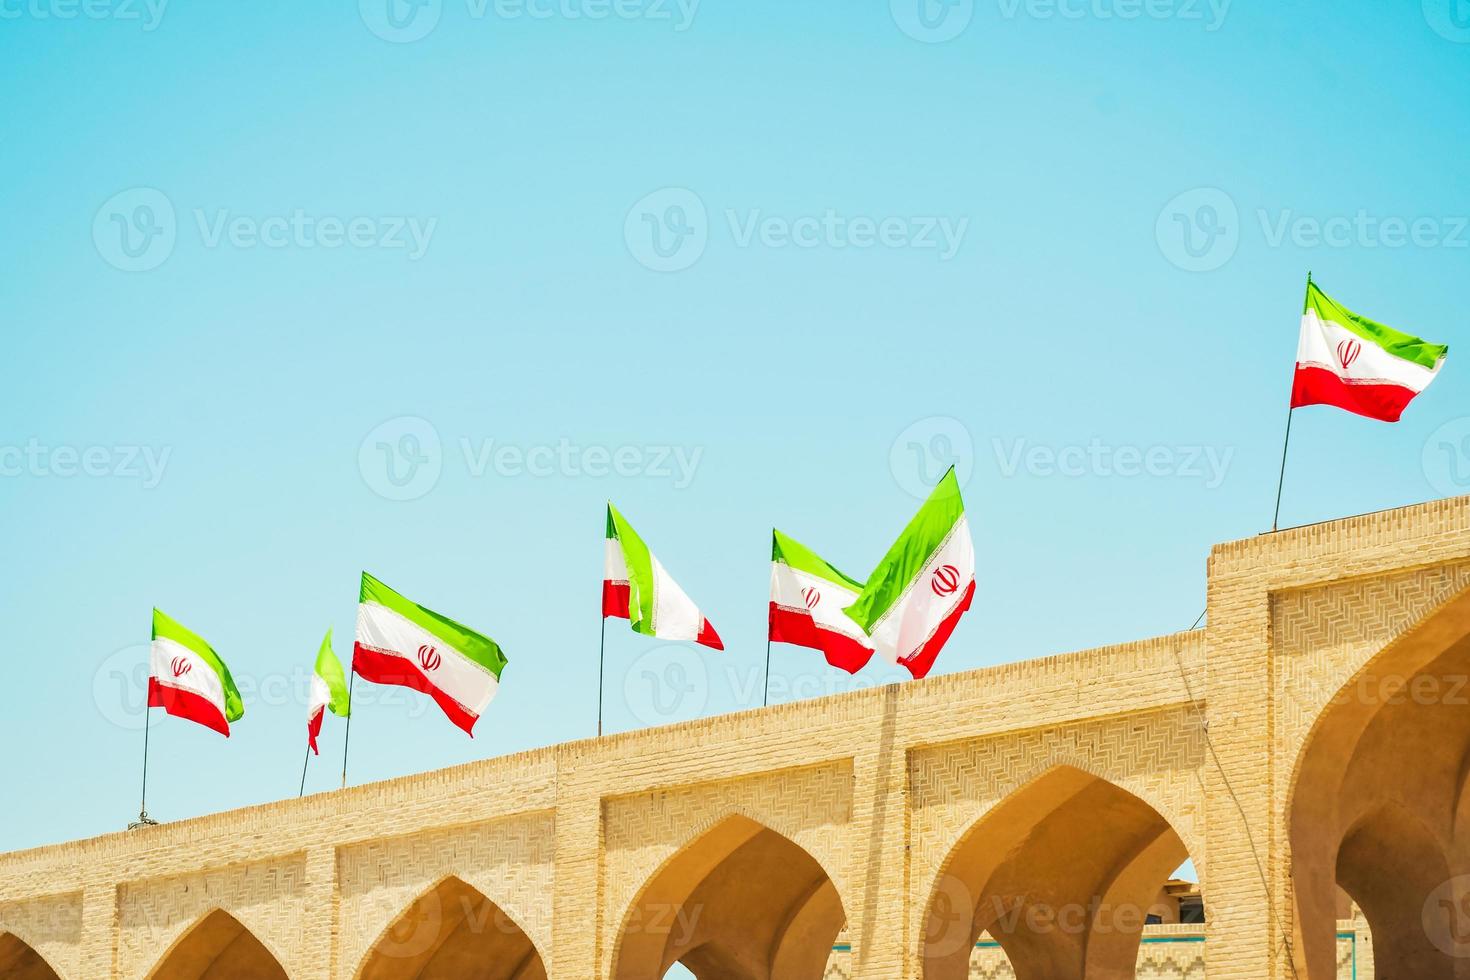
{"points": [[807, 599], [1350, 361], [400, 642], [189, 680], [923, 585], [328, 690], [635, 587]]}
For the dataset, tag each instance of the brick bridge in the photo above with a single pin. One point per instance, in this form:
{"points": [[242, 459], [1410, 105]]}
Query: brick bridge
{"points": [[1037, 805]]}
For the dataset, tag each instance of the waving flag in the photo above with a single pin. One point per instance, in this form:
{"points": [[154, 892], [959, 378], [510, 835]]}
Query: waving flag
{"points": [[189, 680], [807, 599], [635, 587], [1353, 363], [328, 690], [923, 585], [400, 642]]}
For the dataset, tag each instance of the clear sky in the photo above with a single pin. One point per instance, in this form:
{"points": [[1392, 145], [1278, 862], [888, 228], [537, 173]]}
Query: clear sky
{"points": [[293, 290]]}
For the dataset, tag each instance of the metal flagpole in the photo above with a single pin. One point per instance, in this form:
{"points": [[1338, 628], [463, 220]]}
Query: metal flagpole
{"points": [[601, 659], [304, 764], [1286, 444], [766, 694], [347, 734], [143, 819]]}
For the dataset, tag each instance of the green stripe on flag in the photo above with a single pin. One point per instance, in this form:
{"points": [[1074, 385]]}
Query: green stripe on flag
{"points": [[640, 571], [1395, 342], [167, 628], [801, 558], [910, 553], [473, 646], [329, 669]]}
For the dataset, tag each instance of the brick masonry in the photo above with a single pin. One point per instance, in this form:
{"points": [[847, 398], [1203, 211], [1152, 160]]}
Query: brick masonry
{"points": [[877, 786]]}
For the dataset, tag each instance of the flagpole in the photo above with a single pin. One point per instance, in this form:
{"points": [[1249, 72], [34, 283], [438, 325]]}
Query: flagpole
{"points": [[1286, 444], [304, 764], [766, 694], [601, 659], [143, 819], [347, 732]]}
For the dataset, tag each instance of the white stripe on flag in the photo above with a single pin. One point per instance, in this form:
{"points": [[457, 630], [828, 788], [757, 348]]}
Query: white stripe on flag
{"points": [[910, 622], [1367, 362], [464, 680], [675, 616], [788, 589], [614, 568], [176, 666]]}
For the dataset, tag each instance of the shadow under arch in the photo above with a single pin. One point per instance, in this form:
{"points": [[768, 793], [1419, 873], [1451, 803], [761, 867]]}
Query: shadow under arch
{"points": [[1062, 873], [218, 947], [738, 902], [450, 932], [1377, 806], [20, 961]]}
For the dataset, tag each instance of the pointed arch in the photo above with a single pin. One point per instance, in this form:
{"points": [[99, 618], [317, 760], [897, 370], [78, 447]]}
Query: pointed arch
{"points": [[20, 961], [1377, 808], [218, 947], [740, 901], [1062, 874], [453, 931]]}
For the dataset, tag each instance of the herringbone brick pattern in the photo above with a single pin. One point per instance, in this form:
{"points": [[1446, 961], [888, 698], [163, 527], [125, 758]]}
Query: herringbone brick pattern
{"points": [[267, 897], [1155, 755], [52, 926], [508, 861]]}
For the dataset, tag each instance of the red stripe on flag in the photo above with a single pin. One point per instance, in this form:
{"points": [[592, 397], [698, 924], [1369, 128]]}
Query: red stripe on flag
{"points": [[799, 629], [921, 660], [186, 704], [615, 598], [708, 637], [1319, 386], [314, 728], [386, 668]]}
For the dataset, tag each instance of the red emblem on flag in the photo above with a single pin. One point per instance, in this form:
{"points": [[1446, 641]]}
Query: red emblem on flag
{"points": [[1347, 353], [429, 658], [945, 581], [811, 596], [180, 666]]}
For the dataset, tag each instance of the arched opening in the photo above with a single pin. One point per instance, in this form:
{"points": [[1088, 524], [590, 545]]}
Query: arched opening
{"points": [[1064, 875], [218, 947], [741, 902], [18, 961], [1378, 809], [450, 932]]}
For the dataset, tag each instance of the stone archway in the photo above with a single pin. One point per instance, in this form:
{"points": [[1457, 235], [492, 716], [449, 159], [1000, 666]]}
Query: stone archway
{"points": [[218, 947], [1378, 807], [740, 902], [18, 961], [1062, 874], [453, 931]]}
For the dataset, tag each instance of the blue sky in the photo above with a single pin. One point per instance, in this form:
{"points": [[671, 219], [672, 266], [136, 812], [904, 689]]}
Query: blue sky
{"points": [[270, 266]]}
